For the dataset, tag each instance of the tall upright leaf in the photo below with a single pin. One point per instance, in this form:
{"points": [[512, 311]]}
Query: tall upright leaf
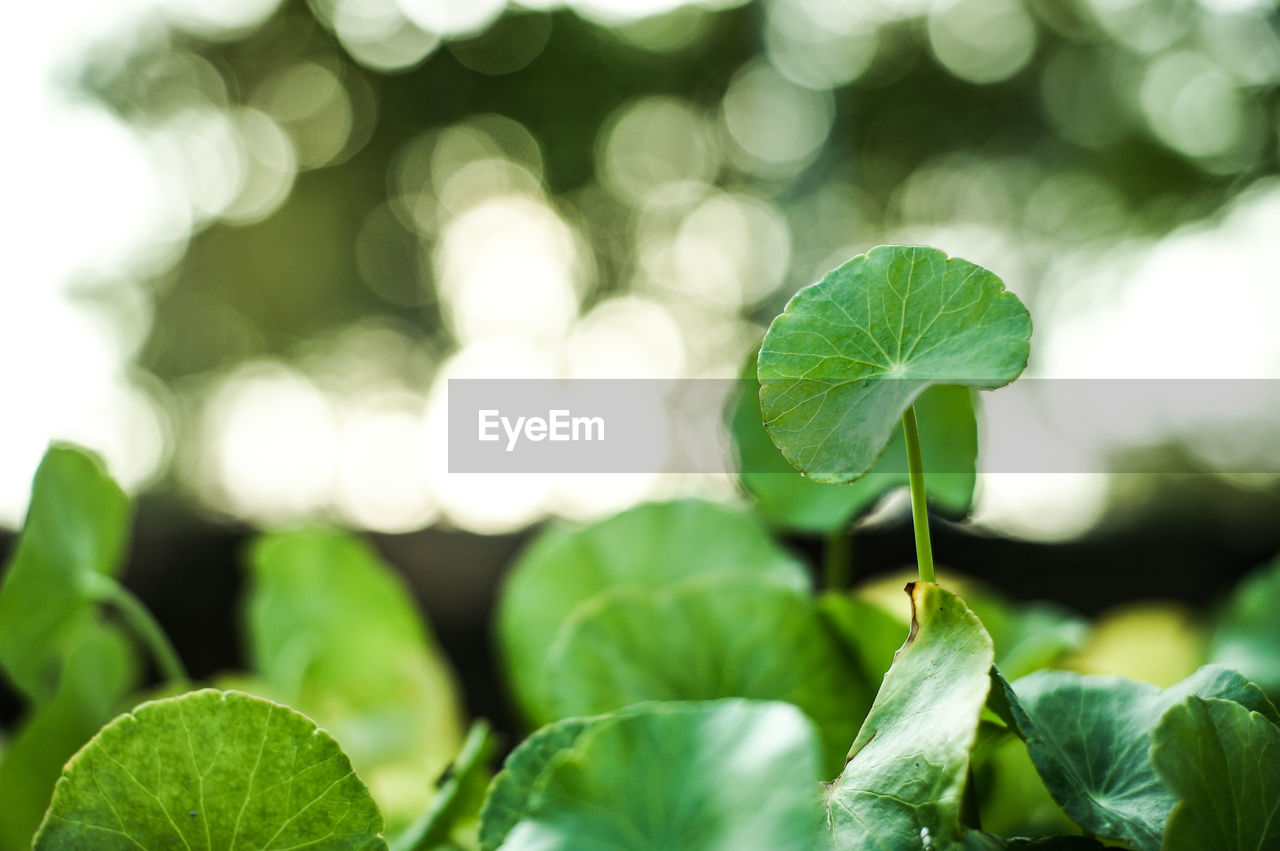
{"points": [[99, 671], [907, 769], [851, 353], [948, 434], [73, 537]]}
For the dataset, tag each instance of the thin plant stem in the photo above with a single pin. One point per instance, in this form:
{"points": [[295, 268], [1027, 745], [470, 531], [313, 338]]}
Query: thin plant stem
{"points": [[145, 626], [837, 559], [919, 508]]}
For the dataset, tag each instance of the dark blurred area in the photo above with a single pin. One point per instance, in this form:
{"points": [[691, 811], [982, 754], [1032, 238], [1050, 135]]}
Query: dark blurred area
{"points": [[363, 198]]}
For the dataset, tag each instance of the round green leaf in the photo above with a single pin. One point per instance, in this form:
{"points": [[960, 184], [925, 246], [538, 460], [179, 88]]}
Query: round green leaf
{"points": [[948, 438], [697, 777], [1222, 763], [211, 770], [907, 769], [1089, 737], [851, 353], [510, 795], [710, 637], [647, 546]]}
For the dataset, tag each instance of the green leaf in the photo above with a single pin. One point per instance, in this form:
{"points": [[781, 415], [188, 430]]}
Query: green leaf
{"points": [[907, 769], [708, 638], [729, 774], [1246, 636], [1028, 636], [210, 770], [1222, 763], [510, 795], [1010, 797], [647, 547], [1089, 737], [851, 353], [462, 790], [73, 536], [948, 437], [98, 672], [334, 632], [870, 634]]}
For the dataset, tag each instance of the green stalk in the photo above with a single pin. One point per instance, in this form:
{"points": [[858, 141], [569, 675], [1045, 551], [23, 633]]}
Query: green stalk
{"points": [[145, 626], [837, 554], [919, 509]]}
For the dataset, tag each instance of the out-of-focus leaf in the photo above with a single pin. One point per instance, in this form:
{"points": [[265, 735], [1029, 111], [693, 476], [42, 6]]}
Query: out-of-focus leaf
{"points": [[870, 633], [907, 769], [334, 632], [1089, 737], [1155, 641], [99, 671], [1028, 636], [949, 443], [708, 638], [851, 353], [1222, 763], [510, 796], [1011, 797], [1246, 635], [457, 804], [693, 776], [214, 770], [73, 537], [648, 546]]}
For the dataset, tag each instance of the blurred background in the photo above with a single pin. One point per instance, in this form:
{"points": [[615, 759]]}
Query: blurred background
{"points": [[247, 242]]}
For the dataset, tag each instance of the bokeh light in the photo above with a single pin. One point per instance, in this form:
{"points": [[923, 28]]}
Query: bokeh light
{"points": [[249, 196]]}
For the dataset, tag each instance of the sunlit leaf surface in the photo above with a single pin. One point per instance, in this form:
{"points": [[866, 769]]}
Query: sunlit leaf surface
{"points": [[211, 770], [852, 352]]}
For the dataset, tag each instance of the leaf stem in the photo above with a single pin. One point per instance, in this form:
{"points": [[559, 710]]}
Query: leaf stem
{"points": [[919, 508], [147, 628], [837, 555]]}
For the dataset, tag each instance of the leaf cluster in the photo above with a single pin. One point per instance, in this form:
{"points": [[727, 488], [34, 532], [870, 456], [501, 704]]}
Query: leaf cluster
{"points": [[684, 684]]}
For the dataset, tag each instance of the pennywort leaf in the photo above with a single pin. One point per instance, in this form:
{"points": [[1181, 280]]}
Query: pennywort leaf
{"points": [[211, 770], [1222, 764], [334, 632], [73, 538], [707, 638], [648, 546], [694, 776], [948, 434], [98, 672], [851, 353], [907, 769], [1089, 737], [510, 795]]}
